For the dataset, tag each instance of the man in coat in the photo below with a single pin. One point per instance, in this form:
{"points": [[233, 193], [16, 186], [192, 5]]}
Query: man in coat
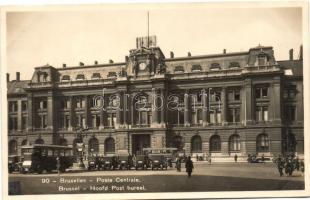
{"points": [[189, 166]]}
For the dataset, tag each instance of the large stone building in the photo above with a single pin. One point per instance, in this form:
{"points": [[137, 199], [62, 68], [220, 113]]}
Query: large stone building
{"points": [[220, 104]]}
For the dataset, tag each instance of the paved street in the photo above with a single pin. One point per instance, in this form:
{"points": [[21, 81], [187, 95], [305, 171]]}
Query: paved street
{"points": [[215, 177]]}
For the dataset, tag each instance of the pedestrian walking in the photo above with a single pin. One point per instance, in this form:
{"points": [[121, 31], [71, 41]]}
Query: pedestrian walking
{"points": [[58, 165], [178, 164], [236, 157], [189, 166], [280, 165], [209, 159]]}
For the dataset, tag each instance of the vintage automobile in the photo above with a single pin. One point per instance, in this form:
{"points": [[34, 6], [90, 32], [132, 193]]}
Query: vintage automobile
{"points": [[124, 162], [93, 162], [158, 161], [141, 162], [107, 163], [14, 164]]}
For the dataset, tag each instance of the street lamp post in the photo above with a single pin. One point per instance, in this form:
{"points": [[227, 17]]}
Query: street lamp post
{"points": [[80, 134]]}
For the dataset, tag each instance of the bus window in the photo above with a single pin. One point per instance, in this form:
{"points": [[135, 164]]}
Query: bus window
{"points": [[50, 152]]}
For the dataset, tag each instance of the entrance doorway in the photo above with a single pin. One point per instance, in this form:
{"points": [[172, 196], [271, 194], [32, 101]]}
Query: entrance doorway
{"points": [[139, 142]]}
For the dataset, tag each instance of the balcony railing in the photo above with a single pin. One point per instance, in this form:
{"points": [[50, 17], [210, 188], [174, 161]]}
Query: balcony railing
{"points": [[140, 125]]}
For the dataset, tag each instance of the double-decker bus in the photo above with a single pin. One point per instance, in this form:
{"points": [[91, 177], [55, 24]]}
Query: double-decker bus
{"points": [[42, 157]]}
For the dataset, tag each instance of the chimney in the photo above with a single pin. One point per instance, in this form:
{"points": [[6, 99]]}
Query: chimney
{"points": [[111, 61], [7, 77], [224, 51], [81, 64], [17, 76], [291, 53], [189, 54], [171, 54], [300, 53], [64, 65], [96, 62]]}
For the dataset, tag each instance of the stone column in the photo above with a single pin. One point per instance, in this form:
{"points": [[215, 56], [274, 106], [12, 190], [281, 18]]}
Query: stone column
{"points": [[50, 110], [275, 97], [224, 105], [125, 109], [186, 109], [30, 112], [101, 118], [19, 115], [154, 108], [71, 114], [205, 108], [86, 111], [163, 107], [119, 111], [247, 102]]}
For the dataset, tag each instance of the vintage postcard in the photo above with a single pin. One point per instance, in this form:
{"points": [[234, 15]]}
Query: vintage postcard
{"points": [[152, 101]]}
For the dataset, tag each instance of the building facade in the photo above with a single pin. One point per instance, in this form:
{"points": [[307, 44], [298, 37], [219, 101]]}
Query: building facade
{"points": [[220, 105]]}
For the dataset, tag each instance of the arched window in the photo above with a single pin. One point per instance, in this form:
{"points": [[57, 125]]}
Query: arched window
{"points": [[13, 147], [262, 143], [39, 141], [196, 144], [93, 146], [234, 143], [80, 77], [65, 78], [63, 142], [215, 143], [24, 142], [109, 145]]}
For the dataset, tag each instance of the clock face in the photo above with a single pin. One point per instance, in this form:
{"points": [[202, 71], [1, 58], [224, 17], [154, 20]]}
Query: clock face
{"points": [[142, 66]]}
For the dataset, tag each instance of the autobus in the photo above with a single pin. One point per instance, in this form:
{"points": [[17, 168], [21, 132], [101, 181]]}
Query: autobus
{"points": [[38, 158], [169, 153]]}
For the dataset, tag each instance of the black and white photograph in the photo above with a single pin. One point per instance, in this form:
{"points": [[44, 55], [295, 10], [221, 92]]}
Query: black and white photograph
{"points": [[179, 100]]}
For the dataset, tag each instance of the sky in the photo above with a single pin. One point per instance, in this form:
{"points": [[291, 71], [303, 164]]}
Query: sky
{"points": [[109, 32]]}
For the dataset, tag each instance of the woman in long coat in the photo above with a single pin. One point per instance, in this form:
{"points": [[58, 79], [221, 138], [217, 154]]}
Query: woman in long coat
{"points": [[189, 166]]}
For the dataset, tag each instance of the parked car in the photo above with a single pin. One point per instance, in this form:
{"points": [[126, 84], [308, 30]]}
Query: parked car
{"points": [[124, 162], [14, 163], [141, 162], [158, 161], [93, 162], [107, 163]]}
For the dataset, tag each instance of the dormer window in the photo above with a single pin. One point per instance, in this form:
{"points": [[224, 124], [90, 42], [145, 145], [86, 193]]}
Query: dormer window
{"points": [[262, 59], [80, 77], [96, 76], [111, 74], [215, 66], [196, 68], [65, 78], [179, 69], [234, 65]]}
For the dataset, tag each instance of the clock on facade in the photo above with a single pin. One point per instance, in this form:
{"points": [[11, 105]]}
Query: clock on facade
{"points": [[142, 66]]}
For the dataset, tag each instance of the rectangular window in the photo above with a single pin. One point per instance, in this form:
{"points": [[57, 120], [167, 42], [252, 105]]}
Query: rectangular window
{"points": [[143, 119], [181, 117], [237, 115], [264, 92], [237, 95], [231, 95], [24, 122], [199, 116], [13, 123], [24, 105], [257, 93], [230, 115], [13, 106], [67, 121], [261, 61], [194, 118]]}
